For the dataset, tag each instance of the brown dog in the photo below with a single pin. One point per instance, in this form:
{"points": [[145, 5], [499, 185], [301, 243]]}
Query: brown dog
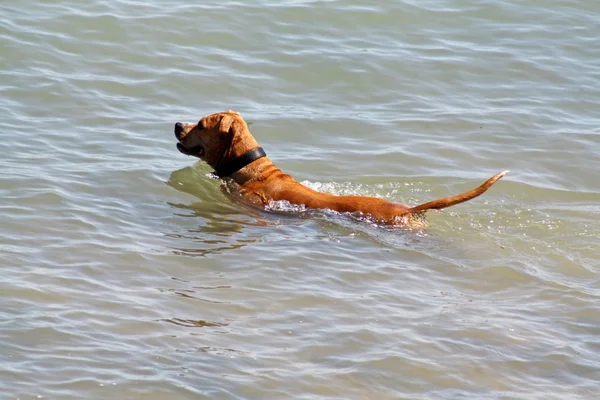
{"points": [[225, 143]]}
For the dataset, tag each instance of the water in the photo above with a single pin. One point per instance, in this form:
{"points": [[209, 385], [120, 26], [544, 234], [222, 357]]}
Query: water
{"points": [[128, 273]]}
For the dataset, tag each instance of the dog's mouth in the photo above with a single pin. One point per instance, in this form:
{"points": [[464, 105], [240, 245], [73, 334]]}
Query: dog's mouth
{"points": [[197, 151]]}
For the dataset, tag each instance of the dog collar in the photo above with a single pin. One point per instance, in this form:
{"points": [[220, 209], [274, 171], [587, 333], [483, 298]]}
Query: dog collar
{"points": [[240, 162]]}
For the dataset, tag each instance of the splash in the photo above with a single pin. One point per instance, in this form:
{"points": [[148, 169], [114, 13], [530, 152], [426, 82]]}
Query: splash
{"points": [[285, 206]]}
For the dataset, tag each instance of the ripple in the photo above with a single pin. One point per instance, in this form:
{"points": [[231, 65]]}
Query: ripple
{"points": [[128, 272]]}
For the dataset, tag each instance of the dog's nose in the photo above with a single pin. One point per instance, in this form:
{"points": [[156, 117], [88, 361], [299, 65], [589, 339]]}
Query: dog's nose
{"points": [[178, 129]]}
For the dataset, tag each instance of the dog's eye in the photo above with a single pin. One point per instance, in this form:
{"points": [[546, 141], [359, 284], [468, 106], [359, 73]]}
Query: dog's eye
{"points": [[200, 126]]}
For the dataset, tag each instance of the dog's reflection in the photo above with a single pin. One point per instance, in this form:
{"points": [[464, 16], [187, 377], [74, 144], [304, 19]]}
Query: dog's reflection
{"points": [[217, 222]]}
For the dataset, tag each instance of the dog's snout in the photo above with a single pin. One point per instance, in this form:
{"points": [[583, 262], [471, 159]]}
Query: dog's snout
{"points": [[178, 129]]}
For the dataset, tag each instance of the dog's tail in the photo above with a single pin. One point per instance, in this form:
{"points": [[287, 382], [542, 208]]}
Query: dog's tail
{"points": [[459, 198]]}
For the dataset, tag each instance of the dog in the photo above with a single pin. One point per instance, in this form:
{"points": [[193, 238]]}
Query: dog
{"points": [[224, 141]]}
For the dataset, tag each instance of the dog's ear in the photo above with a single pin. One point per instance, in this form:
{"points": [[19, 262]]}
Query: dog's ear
{"points": [[226, 123]]}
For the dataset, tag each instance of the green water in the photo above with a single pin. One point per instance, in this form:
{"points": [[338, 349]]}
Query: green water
{"points": [[127, 272]]}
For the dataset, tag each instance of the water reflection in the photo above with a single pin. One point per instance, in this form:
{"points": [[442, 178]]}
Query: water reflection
{"points": [[190, 323], [211, 295], [218, 221], [190, 294]]}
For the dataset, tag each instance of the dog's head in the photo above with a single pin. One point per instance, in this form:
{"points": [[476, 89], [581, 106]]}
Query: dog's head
{"points": [[216, 138]]}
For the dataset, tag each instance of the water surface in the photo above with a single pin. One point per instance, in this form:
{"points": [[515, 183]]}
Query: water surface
{"points": [[128, 273]]}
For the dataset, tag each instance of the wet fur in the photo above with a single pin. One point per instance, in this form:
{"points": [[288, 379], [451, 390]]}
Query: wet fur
{"points": [[221, 137]]}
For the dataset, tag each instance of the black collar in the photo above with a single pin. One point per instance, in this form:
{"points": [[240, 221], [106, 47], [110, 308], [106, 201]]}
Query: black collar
{"points": [[240, 162]]}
